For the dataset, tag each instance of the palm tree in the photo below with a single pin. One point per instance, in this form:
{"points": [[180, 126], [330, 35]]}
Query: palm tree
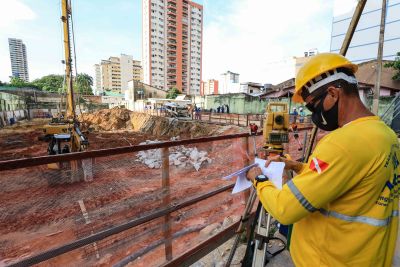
{"points": [[84, 84]]}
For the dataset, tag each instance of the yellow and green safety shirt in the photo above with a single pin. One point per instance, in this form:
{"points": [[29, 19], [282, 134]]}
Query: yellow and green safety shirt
{"points": [[345, 201]]}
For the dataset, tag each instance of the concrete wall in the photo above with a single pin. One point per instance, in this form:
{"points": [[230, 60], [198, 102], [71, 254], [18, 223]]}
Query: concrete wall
{"points": [[238, 103], [9, 102]]}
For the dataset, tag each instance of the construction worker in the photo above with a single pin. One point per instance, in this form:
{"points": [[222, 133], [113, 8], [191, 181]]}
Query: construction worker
{"points": [[344, 203], [302, 115]]}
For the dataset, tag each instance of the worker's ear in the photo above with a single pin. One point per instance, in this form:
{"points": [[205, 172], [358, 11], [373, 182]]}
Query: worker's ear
{"points": [[333, 93]]}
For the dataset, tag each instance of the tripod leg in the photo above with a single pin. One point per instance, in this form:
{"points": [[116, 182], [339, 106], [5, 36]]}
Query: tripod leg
{"points": [[260, 248], [246, 213]]}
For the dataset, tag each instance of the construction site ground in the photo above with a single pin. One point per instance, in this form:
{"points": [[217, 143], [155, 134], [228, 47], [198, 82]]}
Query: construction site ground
{"points": [[39, 211]]}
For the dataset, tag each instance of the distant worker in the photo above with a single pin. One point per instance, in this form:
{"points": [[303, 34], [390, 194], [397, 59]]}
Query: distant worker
{"points": [[222, 109], [227, 109], [302, 115], [218, 109], [344, 203]]}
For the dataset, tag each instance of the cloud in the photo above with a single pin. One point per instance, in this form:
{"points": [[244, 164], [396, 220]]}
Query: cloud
{"points": [[13, 11], [259, 38]]}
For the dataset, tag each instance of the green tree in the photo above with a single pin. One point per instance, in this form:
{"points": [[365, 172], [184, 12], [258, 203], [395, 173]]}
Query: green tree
{"points": [[173, 93], [50, 83], [395, 65], [18, 82], [83, 84]]}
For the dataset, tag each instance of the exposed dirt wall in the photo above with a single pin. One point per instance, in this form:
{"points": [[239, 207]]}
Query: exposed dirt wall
{"points": [[123, 119]]}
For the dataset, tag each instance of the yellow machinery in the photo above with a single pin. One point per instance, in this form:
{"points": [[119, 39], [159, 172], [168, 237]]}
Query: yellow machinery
{"points": [[276, 126], [63, 132]]}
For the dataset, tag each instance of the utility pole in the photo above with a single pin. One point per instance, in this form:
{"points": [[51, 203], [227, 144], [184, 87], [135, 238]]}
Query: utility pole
{"points": [[375, 101]]}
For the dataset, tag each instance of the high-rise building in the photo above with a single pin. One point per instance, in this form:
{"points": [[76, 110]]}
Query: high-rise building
{"points": [[172, 44], [364, 45], [19, 61], [115, 73]]}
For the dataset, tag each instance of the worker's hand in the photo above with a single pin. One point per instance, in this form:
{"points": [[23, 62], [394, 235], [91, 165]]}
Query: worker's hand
{"points": [[253, 173], [289, 164]]}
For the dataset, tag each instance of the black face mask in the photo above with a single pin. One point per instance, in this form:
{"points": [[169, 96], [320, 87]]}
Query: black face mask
{"points": [[326, 120]]}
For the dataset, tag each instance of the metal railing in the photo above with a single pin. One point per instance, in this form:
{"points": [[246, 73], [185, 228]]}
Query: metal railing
{"points": [[164, 211], [392, 111]]}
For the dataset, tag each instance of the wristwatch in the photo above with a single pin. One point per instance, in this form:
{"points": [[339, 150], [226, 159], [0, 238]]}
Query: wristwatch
{"points": [[261, 178]]}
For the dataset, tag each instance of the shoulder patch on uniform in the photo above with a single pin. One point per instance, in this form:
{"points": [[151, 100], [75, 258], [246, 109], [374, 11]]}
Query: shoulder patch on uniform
{"points": [[318, 165]]}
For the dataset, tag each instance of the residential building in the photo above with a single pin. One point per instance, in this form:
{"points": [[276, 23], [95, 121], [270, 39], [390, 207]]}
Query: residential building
{"points": [[300, 61], [114, 74], [138, 91], [97, 86], [251, 88], [364, 45], [172, 44], [111, 75], [229, 83], [19, 60], [137, 71], [209, 87]]}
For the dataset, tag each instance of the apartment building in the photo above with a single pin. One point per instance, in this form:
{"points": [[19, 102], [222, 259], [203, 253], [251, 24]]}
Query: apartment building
{"points": [[209, 87], [18, 57], [364, 45], [115, 73], [137, 71], [172, 44]]}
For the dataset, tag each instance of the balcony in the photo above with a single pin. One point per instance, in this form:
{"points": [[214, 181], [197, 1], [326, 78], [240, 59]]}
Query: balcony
{"points": [[171, 12], [172, 6]]}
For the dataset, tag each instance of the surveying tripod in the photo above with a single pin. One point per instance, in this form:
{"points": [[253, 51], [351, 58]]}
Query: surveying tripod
{"points": [[257, 254]]}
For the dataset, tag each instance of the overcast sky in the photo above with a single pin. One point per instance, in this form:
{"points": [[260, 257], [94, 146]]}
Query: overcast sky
{"points": [[256, 38]]}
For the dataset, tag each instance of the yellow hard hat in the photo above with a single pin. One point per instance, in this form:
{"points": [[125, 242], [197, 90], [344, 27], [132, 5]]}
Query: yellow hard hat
{"points": [[317, 65]]}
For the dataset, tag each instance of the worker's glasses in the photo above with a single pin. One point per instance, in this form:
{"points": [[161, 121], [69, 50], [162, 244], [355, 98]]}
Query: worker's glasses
{"points": [[312, 105]]}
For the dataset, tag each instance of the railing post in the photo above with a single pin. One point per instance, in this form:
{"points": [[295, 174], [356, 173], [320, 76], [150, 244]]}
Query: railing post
{"points": [[166, 202], [246, 161], [238, 119]]}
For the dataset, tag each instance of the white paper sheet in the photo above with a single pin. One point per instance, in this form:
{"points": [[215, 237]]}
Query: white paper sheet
{"points": [[241, 182], [274, 171]]}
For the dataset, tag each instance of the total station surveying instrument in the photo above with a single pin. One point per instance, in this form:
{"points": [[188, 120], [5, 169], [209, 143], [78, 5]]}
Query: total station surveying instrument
{"points": [[275, 133]]}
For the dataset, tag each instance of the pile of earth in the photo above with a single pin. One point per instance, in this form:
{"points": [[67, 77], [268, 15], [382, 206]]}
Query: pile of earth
{"points": [[124, 119]]}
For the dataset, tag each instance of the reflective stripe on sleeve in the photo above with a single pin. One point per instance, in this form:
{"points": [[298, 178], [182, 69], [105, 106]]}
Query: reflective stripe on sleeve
{"points": [[303, 201], [360, 219]]}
